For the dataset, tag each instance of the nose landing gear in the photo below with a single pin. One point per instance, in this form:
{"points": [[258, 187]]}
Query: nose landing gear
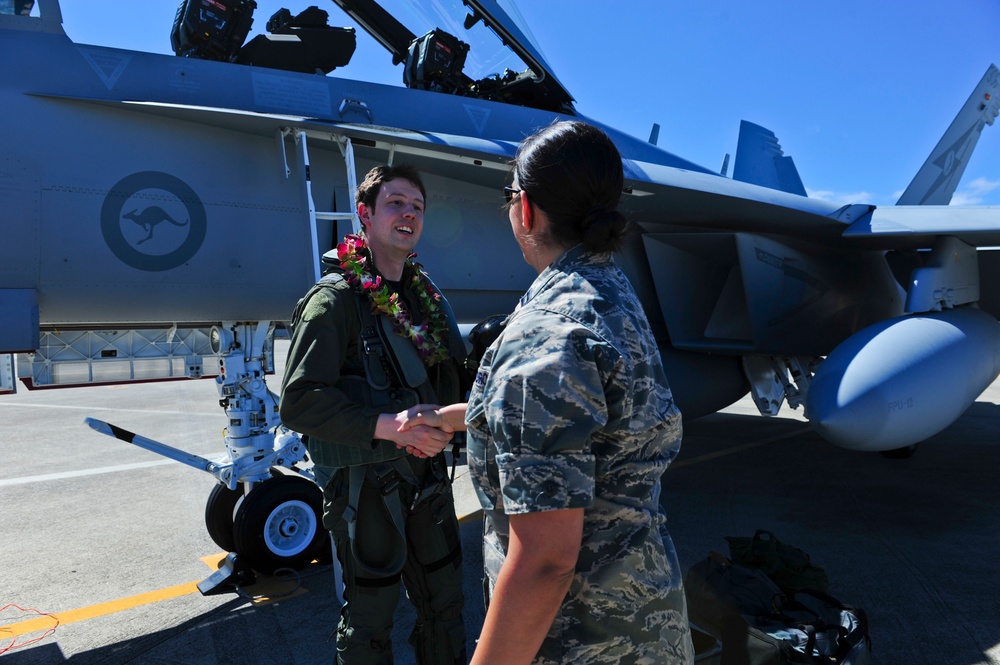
{"points": [[279, 524]]}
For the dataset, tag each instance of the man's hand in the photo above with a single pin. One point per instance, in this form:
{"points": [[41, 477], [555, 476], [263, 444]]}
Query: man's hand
{"points": [[418, 440]]}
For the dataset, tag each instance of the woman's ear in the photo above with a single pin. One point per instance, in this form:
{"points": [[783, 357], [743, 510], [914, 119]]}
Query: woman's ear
{"points": [[527, 211]]}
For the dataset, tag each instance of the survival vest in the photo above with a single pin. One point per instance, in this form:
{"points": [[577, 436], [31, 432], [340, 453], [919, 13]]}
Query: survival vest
{"points": [[394, 377]]}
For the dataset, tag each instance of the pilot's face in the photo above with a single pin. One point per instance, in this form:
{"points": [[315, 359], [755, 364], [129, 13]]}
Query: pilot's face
{"points": [[394, 224]]}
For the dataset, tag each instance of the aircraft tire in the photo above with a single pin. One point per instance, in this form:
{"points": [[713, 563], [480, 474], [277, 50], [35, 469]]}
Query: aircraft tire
{"points": [[900, 453], [220, 510], [279, 524]]}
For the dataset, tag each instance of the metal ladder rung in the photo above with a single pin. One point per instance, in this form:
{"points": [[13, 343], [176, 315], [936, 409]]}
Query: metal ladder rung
{"points": [[331, 216], [347, 152]]}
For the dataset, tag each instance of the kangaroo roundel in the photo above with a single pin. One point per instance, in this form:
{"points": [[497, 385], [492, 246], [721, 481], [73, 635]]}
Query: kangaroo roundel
{"points": [[153, 221]]}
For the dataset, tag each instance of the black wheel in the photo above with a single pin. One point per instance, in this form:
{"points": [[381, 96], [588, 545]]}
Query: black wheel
{"points": [[900, 453], [279, 524], [219, 513]]}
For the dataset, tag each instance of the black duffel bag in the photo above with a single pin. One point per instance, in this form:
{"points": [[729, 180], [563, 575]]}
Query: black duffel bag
{"points": [[759, 624]]}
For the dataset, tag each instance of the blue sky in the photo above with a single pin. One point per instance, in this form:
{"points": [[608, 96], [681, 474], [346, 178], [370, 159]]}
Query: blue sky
{"points": [[857, 91]]}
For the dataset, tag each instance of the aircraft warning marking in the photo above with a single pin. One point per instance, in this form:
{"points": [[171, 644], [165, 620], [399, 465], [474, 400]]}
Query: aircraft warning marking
{"points": [[149, 236], [109, 66], [479, 117], [294, 95]]}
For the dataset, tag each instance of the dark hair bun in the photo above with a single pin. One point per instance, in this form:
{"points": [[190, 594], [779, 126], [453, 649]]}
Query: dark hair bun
{"points": [[604, 230], [573, 172]]}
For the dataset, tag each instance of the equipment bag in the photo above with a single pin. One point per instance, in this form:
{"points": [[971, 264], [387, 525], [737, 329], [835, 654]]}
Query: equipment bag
{"points": [[211, 29], [788, 566], [810, 628], [759, 624]]}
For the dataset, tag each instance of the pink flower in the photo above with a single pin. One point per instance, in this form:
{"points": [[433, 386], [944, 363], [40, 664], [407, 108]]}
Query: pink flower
{"points": [[429, 337]]}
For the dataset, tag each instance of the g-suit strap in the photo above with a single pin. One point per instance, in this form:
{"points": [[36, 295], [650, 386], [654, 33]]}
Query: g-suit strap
{"points": [[390, 496]]}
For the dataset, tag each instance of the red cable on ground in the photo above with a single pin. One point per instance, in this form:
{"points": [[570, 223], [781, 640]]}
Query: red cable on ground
{"points": [[14, 644]]}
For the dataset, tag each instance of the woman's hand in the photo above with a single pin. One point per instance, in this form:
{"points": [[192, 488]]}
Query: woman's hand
{"points": [[450, 418]]}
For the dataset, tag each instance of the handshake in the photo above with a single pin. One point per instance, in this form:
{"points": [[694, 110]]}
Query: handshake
{"points": [[424, 430]]}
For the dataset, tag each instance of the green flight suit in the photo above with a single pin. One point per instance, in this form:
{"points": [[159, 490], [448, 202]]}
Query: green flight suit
{"points": [[326, 397]]}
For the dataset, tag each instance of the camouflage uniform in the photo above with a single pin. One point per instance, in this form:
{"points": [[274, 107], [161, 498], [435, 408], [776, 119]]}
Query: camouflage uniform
{"points": [[323, 363], [571, 409]]}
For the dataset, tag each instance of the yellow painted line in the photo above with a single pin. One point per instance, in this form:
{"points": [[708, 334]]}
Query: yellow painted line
{"points": [[474, 516], [738, 449], [49, 621]]}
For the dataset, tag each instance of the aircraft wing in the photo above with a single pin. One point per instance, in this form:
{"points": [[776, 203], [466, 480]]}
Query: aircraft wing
{"points": [[662, 197], [915, 226], [681, 199], [676, 196], [703, 202]]}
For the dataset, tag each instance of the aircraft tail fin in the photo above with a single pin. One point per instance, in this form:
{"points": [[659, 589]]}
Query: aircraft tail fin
{"points": [[937, 179], [760, 161]]}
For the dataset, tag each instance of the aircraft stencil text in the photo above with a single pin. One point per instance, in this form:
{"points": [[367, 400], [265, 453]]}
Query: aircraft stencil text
{"points": [[900, 404]]}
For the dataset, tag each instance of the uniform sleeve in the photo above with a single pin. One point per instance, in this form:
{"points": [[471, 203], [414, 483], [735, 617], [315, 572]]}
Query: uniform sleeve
{"points": [[546, 402], [310, 402]]}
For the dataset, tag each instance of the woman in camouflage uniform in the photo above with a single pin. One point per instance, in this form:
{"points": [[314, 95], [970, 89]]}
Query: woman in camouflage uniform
{"points": [[571, 424]]}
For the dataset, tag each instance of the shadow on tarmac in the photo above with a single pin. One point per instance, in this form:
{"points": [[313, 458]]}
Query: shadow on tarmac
{"points": [[298, 630], [915, 542], [912, 541]]}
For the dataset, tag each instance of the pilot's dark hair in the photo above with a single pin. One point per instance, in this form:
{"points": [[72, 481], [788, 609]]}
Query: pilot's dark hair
{"points": [[573, 172], [368, 188]]}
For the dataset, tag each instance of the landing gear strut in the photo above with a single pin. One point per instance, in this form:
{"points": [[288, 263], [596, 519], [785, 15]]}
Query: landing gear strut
{"points": [[265, 508]]}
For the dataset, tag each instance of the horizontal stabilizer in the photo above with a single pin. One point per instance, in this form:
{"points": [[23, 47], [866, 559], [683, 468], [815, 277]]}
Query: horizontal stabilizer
{"points": [[760, 161], [937, 179]]}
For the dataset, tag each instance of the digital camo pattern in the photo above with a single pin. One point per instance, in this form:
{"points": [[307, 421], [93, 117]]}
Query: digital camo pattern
{"points": [[571, 409]]}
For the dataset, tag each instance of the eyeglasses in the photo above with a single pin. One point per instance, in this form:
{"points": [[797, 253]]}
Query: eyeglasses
{"points": [[509, 192]]}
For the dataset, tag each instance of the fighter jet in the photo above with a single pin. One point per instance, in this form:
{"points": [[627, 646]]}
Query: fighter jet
{"points": [[168, 211]]}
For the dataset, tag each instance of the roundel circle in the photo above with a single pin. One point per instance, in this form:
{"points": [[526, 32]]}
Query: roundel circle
{"points": [[153, 221]]}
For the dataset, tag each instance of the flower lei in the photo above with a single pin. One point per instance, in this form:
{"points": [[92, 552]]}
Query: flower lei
{"points": [[430, 337]]}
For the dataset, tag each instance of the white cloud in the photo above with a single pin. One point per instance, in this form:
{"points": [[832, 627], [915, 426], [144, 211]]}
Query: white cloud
{"points": [[975, 192], [842, 198]]}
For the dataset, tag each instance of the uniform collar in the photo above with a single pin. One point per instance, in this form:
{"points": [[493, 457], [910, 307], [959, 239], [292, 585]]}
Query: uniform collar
{"points": [[570, 260]]}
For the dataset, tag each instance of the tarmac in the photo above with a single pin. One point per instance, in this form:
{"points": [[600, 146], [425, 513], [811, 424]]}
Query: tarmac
{"points": [[104, 543]]}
